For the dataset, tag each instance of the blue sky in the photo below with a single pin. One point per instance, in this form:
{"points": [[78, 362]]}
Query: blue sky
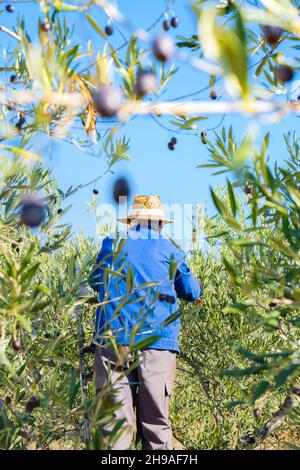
{"points": [[152, 168]]}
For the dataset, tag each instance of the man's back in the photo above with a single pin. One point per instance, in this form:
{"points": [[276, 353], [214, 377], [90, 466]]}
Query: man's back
{"points": [[138, 288]]}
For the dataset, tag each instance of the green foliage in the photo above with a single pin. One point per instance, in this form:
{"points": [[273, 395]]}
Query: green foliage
{"points": [[39, 283], [241, 347], [262, 258], [228, 47]]}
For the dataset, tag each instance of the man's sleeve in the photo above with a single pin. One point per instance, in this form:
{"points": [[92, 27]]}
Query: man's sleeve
{"points": [[104, 260], [186, 285]]}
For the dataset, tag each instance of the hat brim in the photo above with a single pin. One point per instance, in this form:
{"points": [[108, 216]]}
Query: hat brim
{"points": [[144, 217]]}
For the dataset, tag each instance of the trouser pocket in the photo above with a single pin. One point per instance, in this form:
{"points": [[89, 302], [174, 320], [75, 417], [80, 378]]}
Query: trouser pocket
{"points": [[169, 388], [100, 370]]}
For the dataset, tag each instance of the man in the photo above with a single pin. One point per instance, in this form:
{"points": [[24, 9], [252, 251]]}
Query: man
{"points": [[137, 281]]}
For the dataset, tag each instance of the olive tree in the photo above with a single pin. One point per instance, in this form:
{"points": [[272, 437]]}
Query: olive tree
{"points": [[55, 87]]}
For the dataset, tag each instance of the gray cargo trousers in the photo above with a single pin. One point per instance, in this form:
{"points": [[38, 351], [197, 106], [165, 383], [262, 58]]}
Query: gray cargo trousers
{"points": [[147, 389]]}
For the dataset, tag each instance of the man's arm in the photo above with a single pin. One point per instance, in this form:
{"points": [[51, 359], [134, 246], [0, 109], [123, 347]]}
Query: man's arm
{"points": [[104, 259], [186, 285]]}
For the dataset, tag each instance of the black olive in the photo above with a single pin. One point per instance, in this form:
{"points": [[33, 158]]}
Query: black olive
{"points": [[109, 30], [175, 22], [163, 48], [107, 101], [120, 189], [16, 345], [32, 212]]}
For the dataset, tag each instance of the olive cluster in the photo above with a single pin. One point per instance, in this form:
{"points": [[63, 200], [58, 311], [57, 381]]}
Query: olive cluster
{"points": [[170, 299]]}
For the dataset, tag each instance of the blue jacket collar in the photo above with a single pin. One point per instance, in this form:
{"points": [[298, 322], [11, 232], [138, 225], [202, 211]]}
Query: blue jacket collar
{"points": [[146, 232]]}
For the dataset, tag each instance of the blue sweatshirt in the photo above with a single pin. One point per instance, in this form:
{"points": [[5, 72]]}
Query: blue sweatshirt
{"points": [[138, 279]]}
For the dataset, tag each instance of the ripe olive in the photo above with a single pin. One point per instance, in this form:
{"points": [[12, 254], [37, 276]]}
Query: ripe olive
{"points": [[145, 83], [108, 30], [283, 72], [163, 47], [203, 137], [7, 400], [32, 212], [175, 22], [120, 189], [166, 25], [45, 26], [248, 188], [22, 118], [10, 8], [272, 34], [16, 345], [29, 406], [35, 401], [107, 101]]}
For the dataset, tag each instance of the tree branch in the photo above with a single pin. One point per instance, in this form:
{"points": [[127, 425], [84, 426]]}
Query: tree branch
{"points": [[206, 107], [205, 386], [275, 422], [76, 100], [9, 32]]}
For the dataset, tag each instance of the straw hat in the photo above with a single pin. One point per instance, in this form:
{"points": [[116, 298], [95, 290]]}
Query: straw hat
{"points": [[146, 208]]}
